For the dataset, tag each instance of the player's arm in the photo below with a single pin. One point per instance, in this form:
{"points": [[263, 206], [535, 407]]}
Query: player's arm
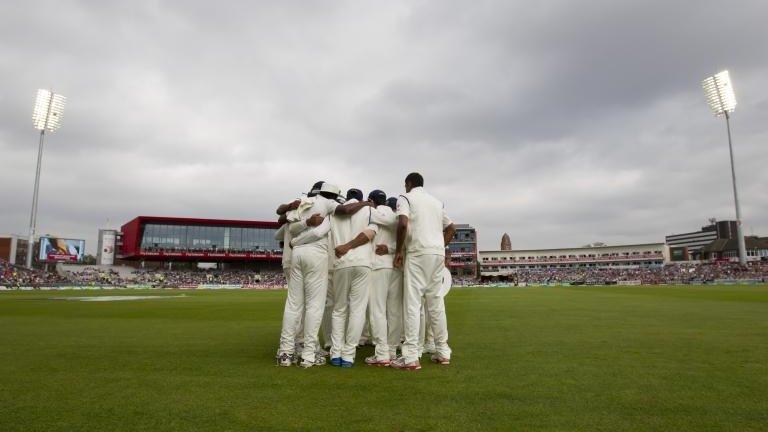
{"points": [[351, 208], [314, 234], [402, 230], [280, 233], [385, 249], [448, 231], [301, 225], [448, 228], [361, 239], [285, 208], [403, 215], [383, 219]]}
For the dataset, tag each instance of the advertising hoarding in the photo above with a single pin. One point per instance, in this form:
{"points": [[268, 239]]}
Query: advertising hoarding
{"points": [[54, 249]]}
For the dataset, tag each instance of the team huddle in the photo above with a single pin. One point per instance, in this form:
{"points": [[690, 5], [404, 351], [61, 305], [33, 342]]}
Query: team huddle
{"points": [[348, 260]]}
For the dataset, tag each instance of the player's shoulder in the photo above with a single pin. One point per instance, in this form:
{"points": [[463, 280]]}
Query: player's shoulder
{"points": [[432, 198]]}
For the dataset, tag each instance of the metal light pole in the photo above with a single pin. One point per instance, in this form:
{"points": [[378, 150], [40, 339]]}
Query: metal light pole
{"points": [[49, 109], [722, 101]]}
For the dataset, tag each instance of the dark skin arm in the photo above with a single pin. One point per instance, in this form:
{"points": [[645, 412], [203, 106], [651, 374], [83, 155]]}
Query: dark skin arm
{"points": [[360, 240], [313, 220], [350, 209], [448, 233], [285, 208], [402, 230]]}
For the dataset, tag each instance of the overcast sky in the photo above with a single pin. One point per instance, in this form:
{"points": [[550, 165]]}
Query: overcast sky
{"points": [[558, 122]]}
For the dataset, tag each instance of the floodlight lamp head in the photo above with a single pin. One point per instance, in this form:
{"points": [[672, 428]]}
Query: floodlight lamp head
{"points": [[49, 110], [719, 92]]}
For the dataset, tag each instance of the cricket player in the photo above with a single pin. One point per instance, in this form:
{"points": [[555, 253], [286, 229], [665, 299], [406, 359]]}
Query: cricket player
{"points": [[284, 236], [423, 233], [386, 297], [351, 279], [309, 274], [311, 236]]}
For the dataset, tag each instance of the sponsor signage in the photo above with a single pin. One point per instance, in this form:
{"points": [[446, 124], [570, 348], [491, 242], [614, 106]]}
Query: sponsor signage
{"points": [[210, 255]]}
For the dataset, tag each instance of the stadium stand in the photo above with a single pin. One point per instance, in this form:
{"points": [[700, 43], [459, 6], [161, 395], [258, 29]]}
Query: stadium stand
{"points": [[17, 276], [12, 276], [670, 274]]}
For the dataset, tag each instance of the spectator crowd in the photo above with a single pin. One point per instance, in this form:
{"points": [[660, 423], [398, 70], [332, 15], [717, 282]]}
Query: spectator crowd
{"points": [[186, 278], [671, 274], [13, 276], [17, 276]]}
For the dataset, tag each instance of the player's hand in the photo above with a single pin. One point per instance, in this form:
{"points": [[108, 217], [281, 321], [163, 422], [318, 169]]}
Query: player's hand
{"points": [[398, 260], [341, 250], [294, 205], [382, 249], [315, 220]]}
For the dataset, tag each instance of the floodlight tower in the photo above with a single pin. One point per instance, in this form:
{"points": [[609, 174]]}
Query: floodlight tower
{"points": [[722, 101], [49, 109]]}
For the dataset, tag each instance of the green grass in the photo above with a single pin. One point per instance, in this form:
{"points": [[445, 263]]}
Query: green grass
{"points": [[551, 359]]}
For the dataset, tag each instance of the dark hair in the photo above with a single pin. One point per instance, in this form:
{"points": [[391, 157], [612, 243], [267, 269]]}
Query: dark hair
{"points": [[315, 187], [355, 193], [392, 203], [378, 197], [415, 179]]}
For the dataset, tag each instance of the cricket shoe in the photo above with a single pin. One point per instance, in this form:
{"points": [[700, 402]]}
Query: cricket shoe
{"points": [[373, 361], [440, 360], [346, 364], [284, 359], [319, 361], [321, 352], [336, 361], [400, 363]]}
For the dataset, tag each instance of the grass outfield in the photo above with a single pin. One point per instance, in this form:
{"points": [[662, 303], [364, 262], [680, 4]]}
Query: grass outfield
{"points": [[565, 358]]}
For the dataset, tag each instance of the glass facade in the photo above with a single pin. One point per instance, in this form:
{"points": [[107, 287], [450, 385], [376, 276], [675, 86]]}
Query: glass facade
{"points": [[463, 248], [208, 238]]}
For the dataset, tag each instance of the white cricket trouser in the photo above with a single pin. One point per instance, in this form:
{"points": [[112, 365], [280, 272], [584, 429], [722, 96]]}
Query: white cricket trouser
{"points": [[325, 327], [422, 326], [366, 335], [395, 312], [386, 310], [300, 326], [425, 331], [350, 297], [423, 277], [426, 338], [306, 295]]}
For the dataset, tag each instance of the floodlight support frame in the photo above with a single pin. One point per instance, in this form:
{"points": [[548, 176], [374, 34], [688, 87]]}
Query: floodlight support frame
{"points": [[35, 195], [36, 192], [739, 230]]}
